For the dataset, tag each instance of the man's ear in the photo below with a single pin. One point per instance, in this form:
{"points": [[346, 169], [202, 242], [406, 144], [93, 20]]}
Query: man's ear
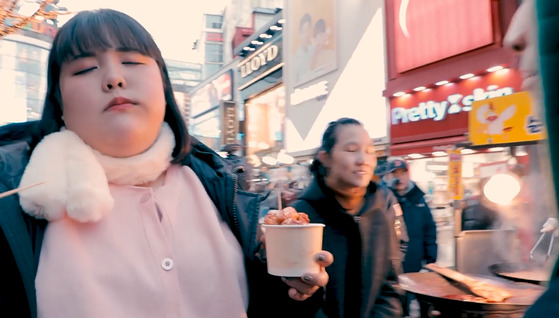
{"points": [[324, 158]]}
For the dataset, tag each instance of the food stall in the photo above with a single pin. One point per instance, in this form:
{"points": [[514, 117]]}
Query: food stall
{"points": [[508, 251]]}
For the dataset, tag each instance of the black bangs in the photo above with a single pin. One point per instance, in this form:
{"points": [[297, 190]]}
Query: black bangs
{"points": [[111, 29]]}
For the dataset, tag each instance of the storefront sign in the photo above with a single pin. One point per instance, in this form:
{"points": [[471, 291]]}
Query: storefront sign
{"points": [[261, 62], [214, 37], [455, 188], [229, 123], [453, 104], [314, 91], [506, 119], [429, 31], [443, 111]]}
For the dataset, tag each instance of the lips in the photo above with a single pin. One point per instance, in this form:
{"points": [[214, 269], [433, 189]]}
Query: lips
{"points": [[118, 101]]}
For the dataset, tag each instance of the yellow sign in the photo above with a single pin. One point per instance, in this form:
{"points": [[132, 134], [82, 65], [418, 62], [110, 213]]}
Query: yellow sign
{"points": [[455, 188], [504, 119]]}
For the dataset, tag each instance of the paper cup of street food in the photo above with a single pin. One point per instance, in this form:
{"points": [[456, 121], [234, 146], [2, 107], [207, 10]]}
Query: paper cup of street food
{"points": [[292, 245]]}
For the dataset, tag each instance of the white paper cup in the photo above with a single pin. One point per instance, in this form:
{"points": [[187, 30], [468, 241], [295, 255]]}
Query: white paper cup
{"points": [[291, 249]]}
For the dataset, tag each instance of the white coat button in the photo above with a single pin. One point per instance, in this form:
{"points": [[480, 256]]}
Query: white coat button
{"points": [[167, 263], [145, 198]]}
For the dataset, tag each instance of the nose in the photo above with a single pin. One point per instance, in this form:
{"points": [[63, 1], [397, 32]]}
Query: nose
{"points": [[114, 78], [521, 24], [115, 83], [515, 42]]}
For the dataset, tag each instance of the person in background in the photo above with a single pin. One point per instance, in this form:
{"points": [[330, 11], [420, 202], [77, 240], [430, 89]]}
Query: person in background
{"points": [[422, 231], [135, 218], [398, 217], [479, 213], [305, 51], [533, 34], [359, 231], [421, 228], [239, 165]]}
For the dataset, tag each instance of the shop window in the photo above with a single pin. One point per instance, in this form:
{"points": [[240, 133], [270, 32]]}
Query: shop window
{"points": [[214, 21]]}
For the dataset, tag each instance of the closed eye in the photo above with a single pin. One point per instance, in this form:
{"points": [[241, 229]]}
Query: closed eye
{"points": [[131, 63], [85, 70]]}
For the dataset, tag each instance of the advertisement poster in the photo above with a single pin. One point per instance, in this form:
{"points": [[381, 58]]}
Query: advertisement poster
{"points": [[211, 95], [503, 120], [313, 39]]}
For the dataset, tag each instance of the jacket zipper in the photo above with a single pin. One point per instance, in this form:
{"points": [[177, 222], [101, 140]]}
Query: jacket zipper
{"points": [[235, 216]]}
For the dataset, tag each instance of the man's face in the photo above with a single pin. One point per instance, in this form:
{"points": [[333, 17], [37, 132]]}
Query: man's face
{"points": [[522, 37], [403, 177], [398, 180]]}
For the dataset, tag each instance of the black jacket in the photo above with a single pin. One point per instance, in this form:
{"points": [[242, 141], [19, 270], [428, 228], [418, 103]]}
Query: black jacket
{"points": [[422, 231], [362, 277], [21, 235]]}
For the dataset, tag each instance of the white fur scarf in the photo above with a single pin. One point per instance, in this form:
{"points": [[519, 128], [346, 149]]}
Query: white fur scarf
{"points": [[77, 177]]}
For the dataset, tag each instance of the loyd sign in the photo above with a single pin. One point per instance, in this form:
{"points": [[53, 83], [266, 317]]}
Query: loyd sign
{"points": [[454, 104], [229, 128], [260, 59]]}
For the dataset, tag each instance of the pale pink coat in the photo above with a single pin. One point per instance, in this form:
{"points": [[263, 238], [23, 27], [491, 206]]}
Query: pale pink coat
{"points": [[159, 253]]}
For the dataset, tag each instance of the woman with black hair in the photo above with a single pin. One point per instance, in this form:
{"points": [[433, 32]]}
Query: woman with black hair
{"points": [[134, 218], [359, 219]]}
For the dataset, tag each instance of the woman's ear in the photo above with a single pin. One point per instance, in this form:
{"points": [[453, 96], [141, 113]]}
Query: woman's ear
{"points": [[324, 158]]}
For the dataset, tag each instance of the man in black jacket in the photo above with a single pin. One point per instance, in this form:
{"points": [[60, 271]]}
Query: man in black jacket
{"points": [[422, 231]]}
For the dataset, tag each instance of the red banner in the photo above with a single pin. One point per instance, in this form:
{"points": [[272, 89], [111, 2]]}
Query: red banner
{"points": [[429, 31]]}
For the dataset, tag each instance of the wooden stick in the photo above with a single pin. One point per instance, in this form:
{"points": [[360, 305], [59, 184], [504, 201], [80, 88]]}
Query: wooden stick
{"points": [[278, 191], [10, 192]]}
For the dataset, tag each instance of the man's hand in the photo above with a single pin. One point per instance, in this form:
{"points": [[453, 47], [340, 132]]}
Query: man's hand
{"points": [[551, 225], [305, 286]]}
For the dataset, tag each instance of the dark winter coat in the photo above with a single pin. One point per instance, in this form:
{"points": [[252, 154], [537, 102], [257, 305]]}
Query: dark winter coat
{"points": [[422, 231], [364, 246], [548, 23], [21, 235]]}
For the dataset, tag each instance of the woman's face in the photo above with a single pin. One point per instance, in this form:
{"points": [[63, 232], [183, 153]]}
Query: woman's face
{"points": [[522, 37], [114, 100], [352, 160]]}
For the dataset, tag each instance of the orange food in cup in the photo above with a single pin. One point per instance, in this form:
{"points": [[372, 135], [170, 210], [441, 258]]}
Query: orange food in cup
{"points": [[286, 216]]}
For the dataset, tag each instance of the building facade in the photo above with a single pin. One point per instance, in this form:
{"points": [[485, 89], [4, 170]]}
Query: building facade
{"points": [[23, 71]]}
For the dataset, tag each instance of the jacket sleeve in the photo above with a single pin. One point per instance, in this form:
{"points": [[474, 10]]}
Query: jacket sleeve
{"points": [[269, 294], [430, 241], [269, 297], [388, 303]]}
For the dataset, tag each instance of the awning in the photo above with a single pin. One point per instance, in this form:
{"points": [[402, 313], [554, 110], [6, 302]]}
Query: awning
{"points": [[426, 146]]}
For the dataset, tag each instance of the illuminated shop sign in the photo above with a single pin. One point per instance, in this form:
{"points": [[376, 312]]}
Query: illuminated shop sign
{"points": [[259, 60], [260, 63], [502, 120], [454, 104], [443, 111]]}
